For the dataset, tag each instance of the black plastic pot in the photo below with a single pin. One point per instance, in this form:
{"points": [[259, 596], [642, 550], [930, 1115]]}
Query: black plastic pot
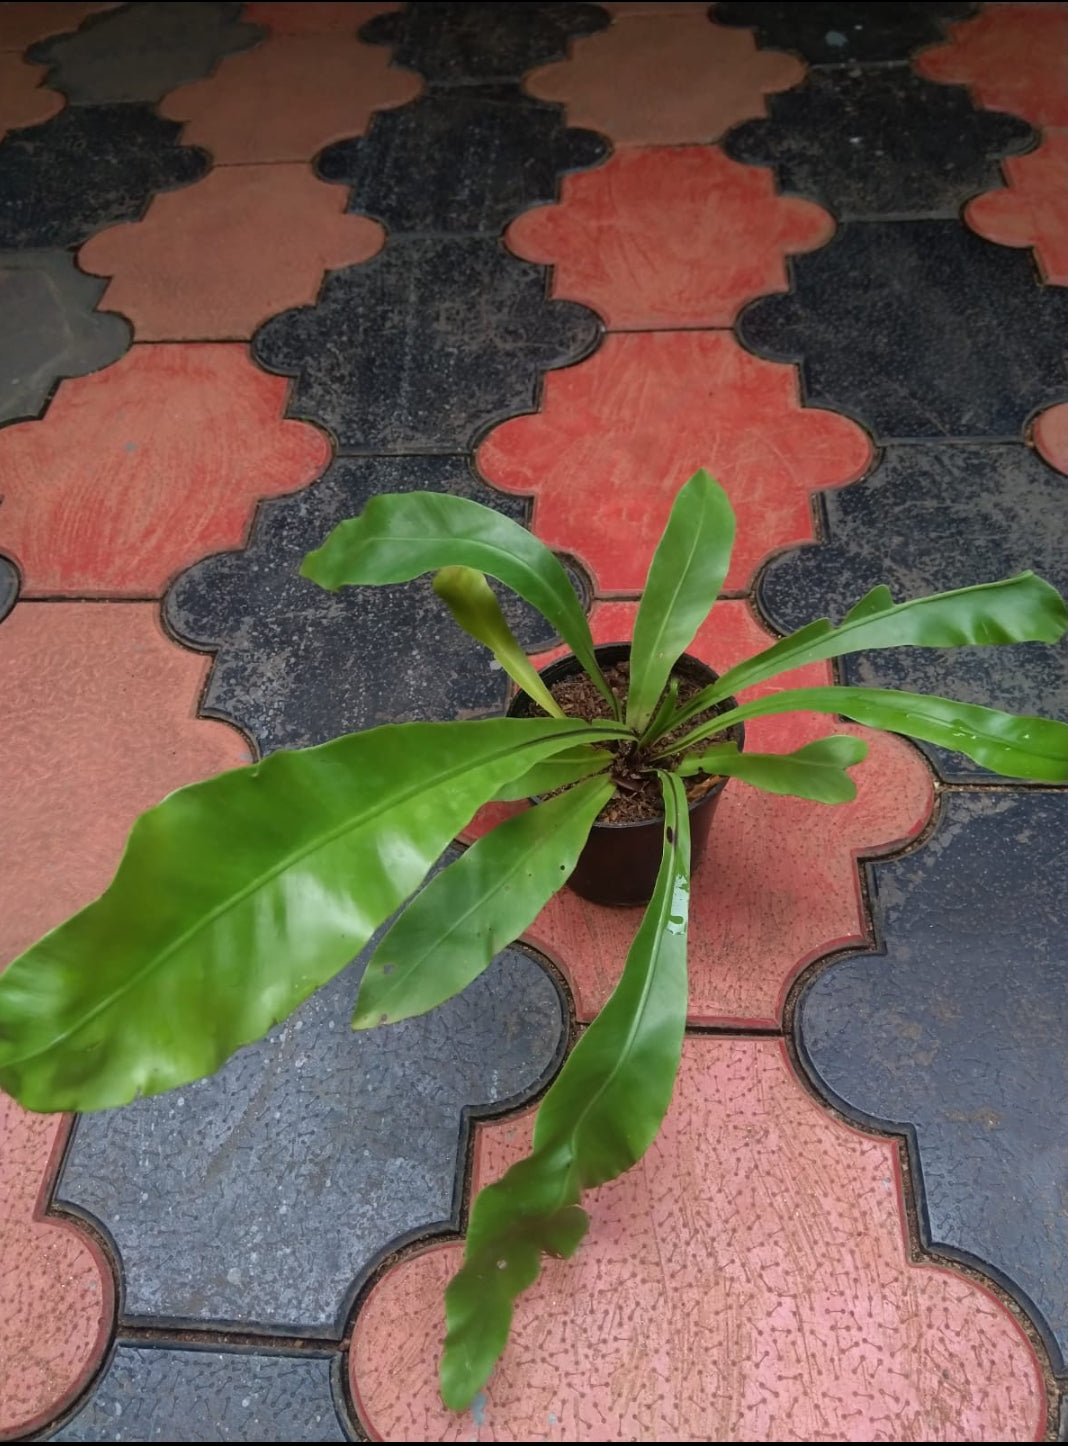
{"points": [[620, 861]]}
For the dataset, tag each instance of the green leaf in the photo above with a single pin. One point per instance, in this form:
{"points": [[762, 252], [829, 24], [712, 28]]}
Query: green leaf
{"points": [[474, 605], [816, 771], [238, 897], [1020, 747], [685, 578], [450, 932], [570, 765], [661, 719], [1019, 609], [403, 535], [597, 1120]]}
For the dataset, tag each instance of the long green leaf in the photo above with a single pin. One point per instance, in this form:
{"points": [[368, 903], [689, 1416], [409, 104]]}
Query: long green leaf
{"points": [[402, 535], [816, 771], [597, 1120], [238, 897], [1019, 609], [1020, 747], [570, 765], [450, 932], [685, 578]]}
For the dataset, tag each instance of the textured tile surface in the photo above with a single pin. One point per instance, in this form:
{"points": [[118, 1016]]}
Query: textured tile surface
{"points": [[1012, 58], [663, 237], [829, 32], [880, 143], [652, 80], [295, 665], [1033, 211], [215, 260], [746, 1282], [919, 329], [618, 436], [332, 84], [932, 517], [139, 469], [1051, 436], [139, 52], [956, 1028], [460, 159], [779, 885], [87, 168], [23, 23], [23, 102], [51, 328], [156, 1394], [425, 346]]}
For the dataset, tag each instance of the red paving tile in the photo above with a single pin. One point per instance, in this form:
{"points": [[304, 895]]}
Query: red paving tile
{"points": [[778, 886], [139, 470], [22, 24], [332, 86], [1012, 56], [747, 1281], [1033, 211], [310, 18], [664, 237], [98, 724], [620, 433], [1051, 436], [22, 101], [665, 79], [216, 259]]}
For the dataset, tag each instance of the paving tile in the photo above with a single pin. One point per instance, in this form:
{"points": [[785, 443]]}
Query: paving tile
{"points": [[1033, 211], [779, 884], [215, 260], [746, 1282], [1012, 57], [623, 9], [831, 33], [87, 168], [309, 17], [932, 517], [424, 347], [1051, 436], [919, 329], [22, 24], [667, 81], [666, 237], [51, 328], [332, 85], [259, 1198], [625, 430], [9, 586], [460, 159], [152, 1393], [139, 52], [880, 143], [455, 44], [955, 1030], [22, 100], [138, 470], [295, 665]]}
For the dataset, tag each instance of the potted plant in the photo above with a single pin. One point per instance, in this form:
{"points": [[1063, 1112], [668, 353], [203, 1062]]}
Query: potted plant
{"points": [[239, 896]]}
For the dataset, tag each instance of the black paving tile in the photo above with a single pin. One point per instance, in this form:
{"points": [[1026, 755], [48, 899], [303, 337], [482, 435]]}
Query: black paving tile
{"points": [[9, 586], [465, 159], [50, 328], [837, 34], [869, 143], [87, 168], [931, 517], [160, 1393], [424, 347], [919, 329], [956, 1031], [139, 52]]}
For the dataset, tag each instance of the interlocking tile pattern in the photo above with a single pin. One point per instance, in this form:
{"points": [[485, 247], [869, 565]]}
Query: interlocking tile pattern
{"points": [[956, 1030], [215, 260], [460, 159], [1033, 210], [424, 347], [295, 665], [23, 101], [664, 237], [139, 52], [919, 329], [827, 32], [747, 1281], [1004, 510], [1051, 436], [23, 23], [87, 168], [880, 143], [51, 328]]}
